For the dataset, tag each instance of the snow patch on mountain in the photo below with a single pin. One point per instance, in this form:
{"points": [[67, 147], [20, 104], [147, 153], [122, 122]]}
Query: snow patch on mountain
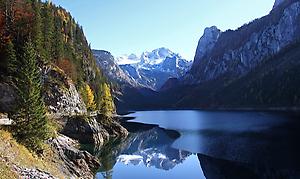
{"points": [[127, 59], [154, 68]]}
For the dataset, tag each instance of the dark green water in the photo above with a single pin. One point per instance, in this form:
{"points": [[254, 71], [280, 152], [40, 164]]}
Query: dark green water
{"points": [[204, 144]]}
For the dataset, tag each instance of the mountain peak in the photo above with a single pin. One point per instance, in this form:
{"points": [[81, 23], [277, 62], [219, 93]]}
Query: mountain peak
{"points": [[211, 30], [207, 41]]}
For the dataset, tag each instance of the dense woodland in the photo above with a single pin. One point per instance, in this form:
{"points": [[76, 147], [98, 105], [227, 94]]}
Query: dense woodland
{"points": [[34, 34]]}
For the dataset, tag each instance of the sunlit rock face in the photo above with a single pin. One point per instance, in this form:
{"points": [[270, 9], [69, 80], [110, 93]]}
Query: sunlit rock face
{"points": [[207, 41], [235, 53], [109, 66], [205, 45], [60, 94]]}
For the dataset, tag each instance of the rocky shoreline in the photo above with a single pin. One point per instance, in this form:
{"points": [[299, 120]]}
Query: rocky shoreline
{"points": [[32, 173], [78, 130], [75, 124], [65, 147]]}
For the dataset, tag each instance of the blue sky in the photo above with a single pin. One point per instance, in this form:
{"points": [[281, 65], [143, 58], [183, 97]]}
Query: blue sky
{"points": [[134, 26]]}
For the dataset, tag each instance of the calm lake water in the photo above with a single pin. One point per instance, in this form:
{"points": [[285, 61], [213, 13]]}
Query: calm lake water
{"points": [[204, 144]]}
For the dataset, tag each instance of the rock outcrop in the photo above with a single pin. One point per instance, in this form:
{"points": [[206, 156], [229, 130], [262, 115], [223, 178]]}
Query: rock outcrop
{"points": [[92, 130], [235, 53], [107, 63], [207, 41], [277, 3], [205, 45], [80, 164], [60, 94], [32, 173], [7, 98]]}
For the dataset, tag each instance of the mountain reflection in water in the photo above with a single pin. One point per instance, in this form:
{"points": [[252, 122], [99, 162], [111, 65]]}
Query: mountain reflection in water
{"points": [[267, 147], [150, 147]]}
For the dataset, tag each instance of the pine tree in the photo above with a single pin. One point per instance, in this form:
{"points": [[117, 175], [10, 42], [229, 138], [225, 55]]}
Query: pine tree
{"points": [[37, 37], [31, 124], [58, 39], [11, 58], [48, 31]]}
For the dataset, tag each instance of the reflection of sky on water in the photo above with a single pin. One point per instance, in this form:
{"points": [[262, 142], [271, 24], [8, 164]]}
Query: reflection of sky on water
{"points": [[189, 169], [254, 142], [200, 120]]}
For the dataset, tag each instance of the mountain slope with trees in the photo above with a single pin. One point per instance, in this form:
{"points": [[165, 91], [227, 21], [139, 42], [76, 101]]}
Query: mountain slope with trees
{"points": [[57, 40], [48, 75]]}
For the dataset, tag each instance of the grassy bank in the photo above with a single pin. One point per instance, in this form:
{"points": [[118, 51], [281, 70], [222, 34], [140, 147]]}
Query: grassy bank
{"points": [[12, 153]]}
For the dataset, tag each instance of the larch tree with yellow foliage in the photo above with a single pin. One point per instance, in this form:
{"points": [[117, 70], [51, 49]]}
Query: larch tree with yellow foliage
{"points": [[106, 105], [91, 105]]}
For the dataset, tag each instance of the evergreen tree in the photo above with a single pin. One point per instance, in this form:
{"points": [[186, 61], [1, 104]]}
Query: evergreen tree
{"points": [[37, 37], [11, 58], [48, 31], [31, 124], [58, 39]]}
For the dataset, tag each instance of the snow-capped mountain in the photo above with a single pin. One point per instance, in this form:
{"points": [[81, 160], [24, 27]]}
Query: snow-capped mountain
{"points": [[154, 68], [107, 63], [127, 59]]}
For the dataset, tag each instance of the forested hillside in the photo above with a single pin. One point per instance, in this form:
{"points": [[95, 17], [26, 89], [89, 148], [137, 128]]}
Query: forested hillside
{"points": [[57, 40], [46, 67]]}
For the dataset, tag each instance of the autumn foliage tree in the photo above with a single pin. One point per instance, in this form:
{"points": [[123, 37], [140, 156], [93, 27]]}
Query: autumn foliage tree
{"points": [[68, 67], [91, 105], [57, 39], [106, 104]]}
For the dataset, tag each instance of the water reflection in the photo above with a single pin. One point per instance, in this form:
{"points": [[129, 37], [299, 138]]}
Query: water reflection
{"points": [[262, 146], [153, 149], [214, 168], [150, 147]]}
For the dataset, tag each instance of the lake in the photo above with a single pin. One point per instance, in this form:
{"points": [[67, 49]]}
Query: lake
{"points": [[204, 144]]}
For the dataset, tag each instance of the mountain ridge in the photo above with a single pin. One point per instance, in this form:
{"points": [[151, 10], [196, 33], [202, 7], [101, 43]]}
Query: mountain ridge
{"points": [[240, 50], [236, 69], [151, 70]]}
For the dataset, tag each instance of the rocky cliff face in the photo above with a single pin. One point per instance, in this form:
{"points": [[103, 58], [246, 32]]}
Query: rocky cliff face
{"points": [[92, 130], [235, 53], [277, 3], [205, 45], [60, 94], [107, 63], [255, 66], [79, 164], [7, 98], [207, 41]]}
